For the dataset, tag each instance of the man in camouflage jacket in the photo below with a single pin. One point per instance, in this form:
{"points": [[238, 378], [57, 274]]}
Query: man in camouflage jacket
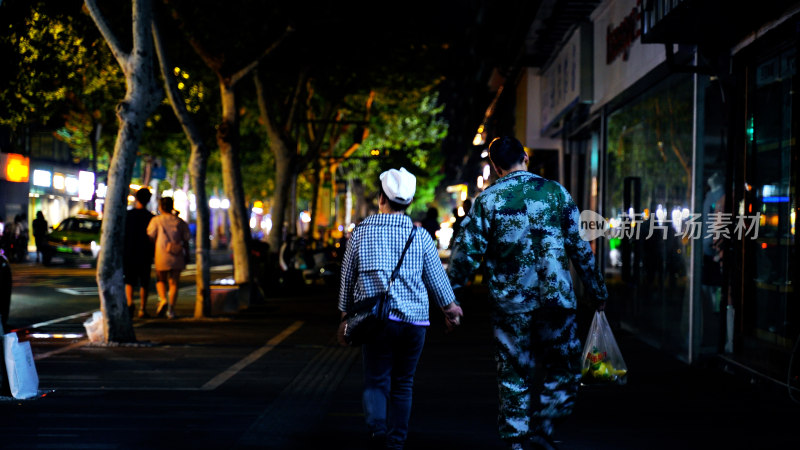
{"points": [[525, 229]]}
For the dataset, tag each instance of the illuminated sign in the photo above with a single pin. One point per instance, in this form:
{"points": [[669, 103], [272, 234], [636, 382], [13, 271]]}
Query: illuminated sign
{"points": [[17, 168], [85, 185], [58, 181], [41, 178], [71, 184]]}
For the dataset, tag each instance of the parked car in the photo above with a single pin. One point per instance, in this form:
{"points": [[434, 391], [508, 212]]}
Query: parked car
{"points": [[76, 238]]}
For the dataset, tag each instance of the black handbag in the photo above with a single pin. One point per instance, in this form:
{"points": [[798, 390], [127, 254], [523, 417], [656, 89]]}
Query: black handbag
{"points": [[366, 318]]}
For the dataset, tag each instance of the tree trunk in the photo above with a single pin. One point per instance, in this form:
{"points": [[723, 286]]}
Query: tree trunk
{"points": [[292, 205], [280, 199], [348, 204], [284, 150], [141, 98], [198, 166], [147, 170], [232, 183], [315, 199], [362, 206], [172, 177], [94, 140], [216, 224]]}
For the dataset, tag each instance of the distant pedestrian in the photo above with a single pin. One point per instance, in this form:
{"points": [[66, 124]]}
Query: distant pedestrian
{"points": [[466, 207], [526, 229], [171, 235], [390, 360], [137, 256], [21, 237], [40, 235], [431, 222]]}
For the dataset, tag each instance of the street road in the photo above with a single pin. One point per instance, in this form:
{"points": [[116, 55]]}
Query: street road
{"points": [[43, 294]]}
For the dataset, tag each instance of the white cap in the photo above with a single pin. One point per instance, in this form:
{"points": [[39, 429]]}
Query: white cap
{"points": [[399, 185]]}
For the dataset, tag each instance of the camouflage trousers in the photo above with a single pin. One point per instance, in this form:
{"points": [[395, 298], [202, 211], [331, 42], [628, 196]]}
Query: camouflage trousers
{"points": [[538, 369]]}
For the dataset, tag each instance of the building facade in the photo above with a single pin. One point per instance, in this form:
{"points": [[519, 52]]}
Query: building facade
{"points": [[675, 121]]}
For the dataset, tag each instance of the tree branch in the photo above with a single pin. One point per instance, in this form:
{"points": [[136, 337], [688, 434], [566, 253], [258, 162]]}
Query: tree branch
{"points": [[336, 161], [213, 62], [315, 147], [142, 37], [249, 68], [173, 93], [295, 98], [121, 56], [310, 112]]}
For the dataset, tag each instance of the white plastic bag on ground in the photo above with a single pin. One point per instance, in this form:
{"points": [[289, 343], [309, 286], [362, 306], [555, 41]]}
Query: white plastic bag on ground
{"points": [[22, 377], [94, 327]]}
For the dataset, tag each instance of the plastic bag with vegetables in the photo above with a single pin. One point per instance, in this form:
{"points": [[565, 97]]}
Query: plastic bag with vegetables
{"points": [[602, 361]]}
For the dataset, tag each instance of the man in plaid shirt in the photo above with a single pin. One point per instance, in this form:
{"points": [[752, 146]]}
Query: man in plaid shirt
{"points": [[372, 253], [525, 229]]}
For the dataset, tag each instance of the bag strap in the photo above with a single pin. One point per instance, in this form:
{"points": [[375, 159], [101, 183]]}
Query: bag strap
{"points": [[396, 270], [364, 305]]}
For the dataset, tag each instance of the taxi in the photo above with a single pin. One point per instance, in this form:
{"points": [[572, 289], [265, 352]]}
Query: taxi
{"points": [[75, 238]]}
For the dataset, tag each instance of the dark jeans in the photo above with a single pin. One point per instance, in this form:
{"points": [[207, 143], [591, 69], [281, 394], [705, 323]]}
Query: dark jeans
{"points": [[389, 365]]}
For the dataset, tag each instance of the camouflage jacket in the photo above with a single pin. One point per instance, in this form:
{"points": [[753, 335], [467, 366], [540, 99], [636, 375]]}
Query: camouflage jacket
{"points": [[526, 229]]}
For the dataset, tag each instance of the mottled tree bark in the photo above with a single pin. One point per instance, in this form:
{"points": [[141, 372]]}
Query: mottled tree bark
{"points": [[141, 98], [198, 165], [227, 137]]}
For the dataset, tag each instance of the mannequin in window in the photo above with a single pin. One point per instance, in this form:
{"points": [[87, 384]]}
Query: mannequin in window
{"points": [[712, 261]]}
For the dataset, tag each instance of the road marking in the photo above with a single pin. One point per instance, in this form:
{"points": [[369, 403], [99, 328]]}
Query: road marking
{"points": [[218, 380], [60, 319], [191, 269], [61, 350], [79, 290]]}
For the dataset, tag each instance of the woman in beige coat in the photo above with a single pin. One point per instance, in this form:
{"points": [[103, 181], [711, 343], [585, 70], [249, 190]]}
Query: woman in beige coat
{"points": [[171, 236]]}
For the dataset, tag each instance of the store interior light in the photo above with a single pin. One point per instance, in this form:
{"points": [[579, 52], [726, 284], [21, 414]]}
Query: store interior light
{"points": [[85, 185], [58, 181], [486, 172], [266, 224], [71, 184], [41, 178]]}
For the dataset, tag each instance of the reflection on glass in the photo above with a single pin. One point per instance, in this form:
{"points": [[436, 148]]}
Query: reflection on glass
{"points": [[769, 144], [649, 188]]}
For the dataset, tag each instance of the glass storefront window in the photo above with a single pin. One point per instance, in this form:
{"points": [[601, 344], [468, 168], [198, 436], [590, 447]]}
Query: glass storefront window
{"points": [[769, 269], [648, 199]]}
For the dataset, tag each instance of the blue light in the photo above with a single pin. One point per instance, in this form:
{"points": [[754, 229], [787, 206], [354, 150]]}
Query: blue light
{"points": [[775, 199]]}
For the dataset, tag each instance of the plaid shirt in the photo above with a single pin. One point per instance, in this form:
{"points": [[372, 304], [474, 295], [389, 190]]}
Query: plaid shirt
{"points": [[372, 254]]}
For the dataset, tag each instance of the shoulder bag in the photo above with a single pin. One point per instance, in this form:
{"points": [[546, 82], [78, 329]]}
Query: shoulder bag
{"points": [[365, 318]]}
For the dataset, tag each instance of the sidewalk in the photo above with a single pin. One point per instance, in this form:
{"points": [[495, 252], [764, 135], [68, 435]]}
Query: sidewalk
{"points": [[273, 377]]}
